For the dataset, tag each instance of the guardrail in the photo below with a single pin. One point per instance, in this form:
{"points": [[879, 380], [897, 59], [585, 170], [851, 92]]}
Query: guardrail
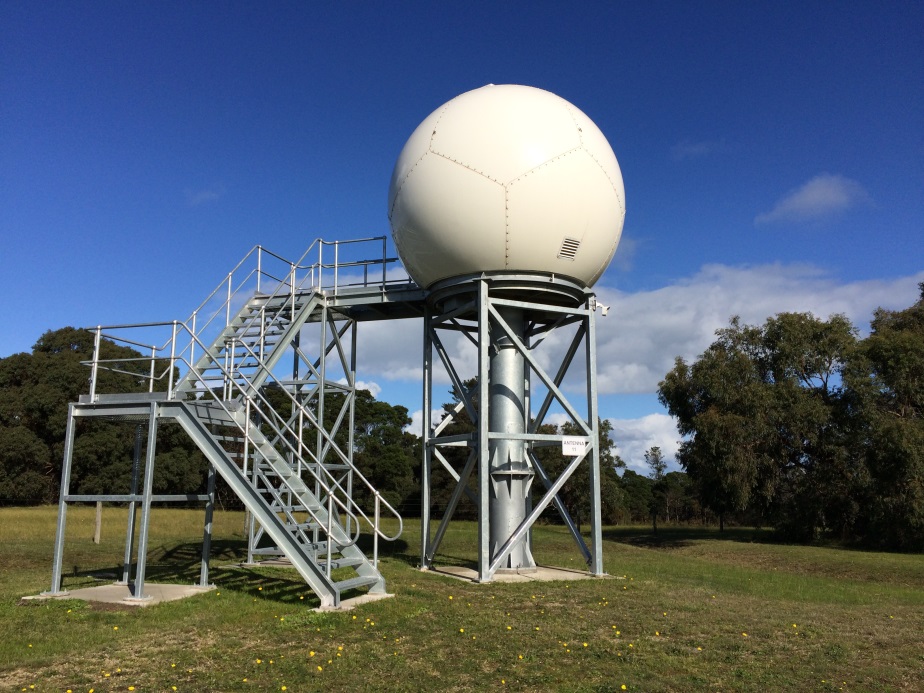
{"points": [[260, 271]]}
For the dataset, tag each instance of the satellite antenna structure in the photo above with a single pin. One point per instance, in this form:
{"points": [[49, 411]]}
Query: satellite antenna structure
{"points": [[506, 204]]}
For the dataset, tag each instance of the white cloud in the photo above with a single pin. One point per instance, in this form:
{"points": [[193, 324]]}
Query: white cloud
{"points": [[634, 436], [625, 253], [373, 388], [416, 425], [391, 349], [645, 331], [823, 196]]}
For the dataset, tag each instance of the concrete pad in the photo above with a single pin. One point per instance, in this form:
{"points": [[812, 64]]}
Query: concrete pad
{"points": [[349, 604], [537, 574], [118, 593]]}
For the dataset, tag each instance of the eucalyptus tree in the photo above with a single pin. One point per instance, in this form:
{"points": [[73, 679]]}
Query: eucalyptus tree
{"points": [[767, 423], [889, 381]]}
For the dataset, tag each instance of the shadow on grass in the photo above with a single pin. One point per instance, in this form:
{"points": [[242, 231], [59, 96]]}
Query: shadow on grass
{"points": [[181, 564], [678, 537]]}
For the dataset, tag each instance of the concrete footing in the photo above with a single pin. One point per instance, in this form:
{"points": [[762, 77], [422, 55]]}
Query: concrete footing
{"points": [[120, 593], [537, 574]]}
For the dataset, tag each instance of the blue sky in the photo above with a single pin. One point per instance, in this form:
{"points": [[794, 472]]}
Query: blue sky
{"points": [[773, 156]]}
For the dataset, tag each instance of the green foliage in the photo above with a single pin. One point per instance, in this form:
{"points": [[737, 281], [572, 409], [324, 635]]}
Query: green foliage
{"points": [[637, 495], [800, 423], [35, 391], [575, 494], [385, 453], [894, 414]]}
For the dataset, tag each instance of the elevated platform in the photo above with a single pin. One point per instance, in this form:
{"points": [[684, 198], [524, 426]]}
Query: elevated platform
{"points": [[262, 378]]}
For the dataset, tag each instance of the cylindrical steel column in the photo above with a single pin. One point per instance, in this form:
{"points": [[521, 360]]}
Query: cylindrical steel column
{"points": [[511, 473]]}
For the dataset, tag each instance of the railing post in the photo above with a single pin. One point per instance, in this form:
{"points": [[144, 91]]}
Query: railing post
{"points": [[95, 368], [336, 264], [246, 434], [375, 539], [172, 362], [384, 258], [151, 378], [192, 341], [320, 264], [228, 302], [259, 265], [292, 288], [330, 528], [230, 347], [262, 331]]}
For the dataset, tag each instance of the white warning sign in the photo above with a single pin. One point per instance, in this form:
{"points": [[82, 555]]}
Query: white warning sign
{"points": [[572, 447]]}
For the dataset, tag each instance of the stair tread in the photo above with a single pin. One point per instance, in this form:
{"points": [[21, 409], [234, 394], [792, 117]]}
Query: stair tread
{"points": [[353, 583]]}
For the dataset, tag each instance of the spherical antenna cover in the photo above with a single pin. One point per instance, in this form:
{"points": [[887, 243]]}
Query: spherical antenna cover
{"points": [[506, 178]]}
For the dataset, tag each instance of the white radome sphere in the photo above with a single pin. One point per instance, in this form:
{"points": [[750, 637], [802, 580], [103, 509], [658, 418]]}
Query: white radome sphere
{"points": [[506, 178]]}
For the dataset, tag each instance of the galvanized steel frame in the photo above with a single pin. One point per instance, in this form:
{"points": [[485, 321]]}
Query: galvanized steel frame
{"points": [[333, 307], [473, 307]]}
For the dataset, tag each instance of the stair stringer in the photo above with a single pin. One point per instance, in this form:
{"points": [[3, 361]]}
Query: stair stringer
{"points": [[313, 574], [346, 545]]}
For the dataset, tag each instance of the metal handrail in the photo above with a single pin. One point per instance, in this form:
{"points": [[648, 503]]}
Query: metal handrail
{"points": [[248, 392], [233, 285], [288, 286]]}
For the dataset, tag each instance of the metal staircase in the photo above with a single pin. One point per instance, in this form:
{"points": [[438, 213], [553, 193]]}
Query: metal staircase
{"points": [[245, 351], [273, 415], [221, 432]]}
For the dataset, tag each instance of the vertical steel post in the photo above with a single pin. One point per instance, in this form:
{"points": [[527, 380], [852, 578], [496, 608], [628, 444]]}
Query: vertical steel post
{"points": [[259, 266], [375, 537], [384, 260], [95, 367], [596, 529], [207, 529], [62, 503], [132, 510], [292, 292], [146, 503], [351, 439], [251, 520], [426, 430], [228, 302], [172, 361], [484, 481], [152, 371], [322, 386], [192, 342]]}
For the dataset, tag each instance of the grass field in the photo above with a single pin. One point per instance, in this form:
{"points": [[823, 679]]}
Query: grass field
{"points": [[688, 610]]}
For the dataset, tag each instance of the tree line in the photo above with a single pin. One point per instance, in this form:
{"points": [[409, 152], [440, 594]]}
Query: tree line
{"points": [[801, 425], [797, 424], [36, 388]]}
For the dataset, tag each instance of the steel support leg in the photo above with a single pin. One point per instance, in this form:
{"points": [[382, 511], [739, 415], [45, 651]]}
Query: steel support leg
{"points": [[207, 530], [146, 504], [62, 504], [132, 511], [484, 396], [596, 521], [426, 560]]}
